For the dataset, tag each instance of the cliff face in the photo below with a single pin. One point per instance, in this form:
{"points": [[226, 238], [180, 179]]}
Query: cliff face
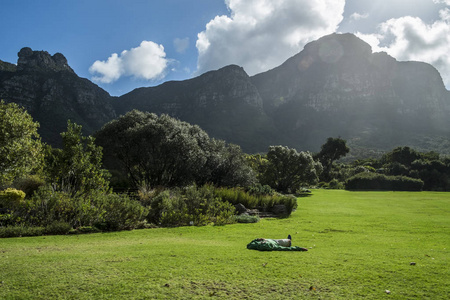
{"points": [[224, 103], [337, 87], [52, 93]]}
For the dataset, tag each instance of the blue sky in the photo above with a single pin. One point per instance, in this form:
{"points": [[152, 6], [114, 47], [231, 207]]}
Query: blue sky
{"points": [[121, 45]]}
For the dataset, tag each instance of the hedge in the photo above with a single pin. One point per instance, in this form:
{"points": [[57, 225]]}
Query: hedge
{"points": [[373, 181]]}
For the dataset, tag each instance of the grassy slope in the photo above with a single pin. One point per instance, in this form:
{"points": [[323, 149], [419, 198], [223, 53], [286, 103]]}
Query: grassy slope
{"points": [[361, 244]]}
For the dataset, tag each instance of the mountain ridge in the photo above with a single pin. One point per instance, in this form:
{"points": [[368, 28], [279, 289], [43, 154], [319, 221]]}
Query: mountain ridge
{"points": [[336, 86]]}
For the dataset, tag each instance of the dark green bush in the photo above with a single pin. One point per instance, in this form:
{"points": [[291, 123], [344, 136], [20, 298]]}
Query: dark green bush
{"points": [[58, 227], [29, 184], [117, 211], [372, 181], [19, 231]]}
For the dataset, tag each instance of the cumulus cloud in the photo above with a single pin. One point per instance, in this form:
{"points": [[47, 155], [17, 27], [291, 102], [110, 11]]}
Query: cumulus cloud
{"points": [[148, 61], [261, 34], [410, 38], [357, 16], [181, 44]]}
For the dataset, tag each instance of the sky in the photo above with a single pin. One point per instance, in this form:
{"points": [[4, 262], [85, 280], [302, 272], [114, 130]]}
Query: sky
{"points": [[124, 44]]}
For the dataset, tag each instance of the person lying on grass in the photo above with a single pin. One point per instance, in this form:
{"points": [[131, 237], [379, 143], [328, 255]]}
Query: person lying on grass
{"points": [[274, 245]]}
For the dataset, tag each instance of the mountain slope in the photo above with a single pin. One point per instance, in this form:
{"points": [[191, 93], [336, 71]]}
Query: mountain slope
{"points": [[337, 87], [52, 93], [224, 103]]}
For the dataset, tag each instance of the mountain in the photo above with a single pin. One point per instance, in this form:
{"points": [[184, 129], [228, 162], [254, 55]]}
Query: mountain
{"points": [[336, 86], [52, 93], [224, 103]]}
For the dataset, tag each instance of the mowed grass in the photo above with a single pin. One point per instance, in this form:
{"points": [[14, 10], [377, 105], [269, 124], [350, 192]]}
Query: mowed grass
{"points": [[361, 244]]}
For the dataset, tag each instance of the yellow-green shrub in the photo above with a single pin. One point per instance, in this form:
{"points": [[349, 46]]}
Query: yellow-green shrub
{"points": [[11, 198]]}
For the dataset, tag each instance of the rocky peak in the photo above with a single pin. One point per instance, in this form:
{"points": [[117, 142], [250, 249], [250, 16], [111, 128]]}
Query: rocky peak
{"points": [[6, 66], [41, 61]]}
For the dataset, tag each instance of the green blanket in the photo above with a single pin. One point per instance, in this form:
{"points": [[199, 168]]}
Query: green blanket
{"points": [[271, 245]]}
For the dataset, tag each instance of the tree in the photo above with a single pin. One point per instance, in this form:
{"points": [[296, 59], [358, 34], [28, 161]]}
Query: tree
{"points": [[77, 167], [287, 170], [332, 150], [226, 165], [20, 144], [152, 150], [163, 151]]}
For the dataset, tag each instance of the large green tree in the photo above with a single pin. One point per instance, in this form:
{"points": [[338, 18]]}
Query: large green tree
{"points": [[163, 151], [287, 170], [77, 167], [20, 144], [332, 150]]}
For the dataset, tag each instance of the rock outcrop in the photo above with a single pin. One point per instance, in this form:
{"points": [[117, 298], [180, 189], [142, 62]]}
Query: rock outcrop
{"points": [[52, 93]]}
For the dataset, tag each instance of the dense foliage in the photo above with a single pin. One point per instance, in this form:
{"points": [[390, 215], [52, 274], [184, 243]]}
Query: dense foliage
{"points": [[373, 181], [20, 146], [77, 167], [151, 150], [287, 170], [429, 167]]}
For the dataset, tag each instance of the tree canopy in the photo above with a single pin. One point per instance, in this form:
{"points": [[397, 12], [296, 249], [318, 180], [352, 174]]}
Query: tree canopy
{"points": [[20, 144], [163, 151], [287, 170], [77, 167]]}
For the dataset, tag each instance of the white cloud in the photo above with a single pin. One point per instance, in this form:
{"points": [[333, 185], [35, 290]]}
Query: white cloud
{"points": [[148, 61], [181, 44], [357, 16], [261, 34], [409, 38], [447, 2]]}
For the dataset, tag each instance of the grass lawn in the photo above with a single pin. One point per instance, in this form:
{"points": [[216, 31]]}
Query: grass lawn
{"points": [[361, 245]]}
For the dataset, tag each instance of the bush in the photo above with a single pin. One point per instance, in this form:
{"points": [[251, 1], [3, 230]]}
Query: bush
{"points": [[335, 185], [117, 211], [262, 202], [29, 184], [19, 231], [58, 227], [372, 181], [190, 206], [11, 198], [246, 219]]}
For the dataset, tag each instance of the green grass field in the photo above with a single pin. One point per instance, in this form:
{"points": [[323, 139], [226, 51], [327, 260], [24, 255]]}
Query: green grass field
{"points": [[361, 244]]}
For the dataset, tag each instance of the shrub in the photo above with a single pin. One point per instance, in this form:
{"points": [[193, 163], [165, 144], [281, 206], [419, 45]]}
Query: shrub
{"points": [[246, 219], [19, 231], [372, 181], [190, 206], [262, 202], [11, 198], [58, 227], [29, 184], [117, 211], [335, 184]]}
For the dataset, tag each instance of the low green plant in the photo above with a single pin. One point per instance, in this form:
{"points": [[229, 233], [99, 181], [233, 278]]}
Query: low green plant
{"points": [[246, 219], [19, 231], [58, 227]]}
